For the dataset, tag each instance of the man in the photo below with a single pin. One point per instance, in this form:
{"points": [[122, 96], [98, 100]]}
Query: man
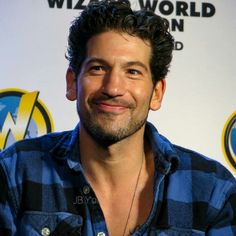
{"points": [[114, 174]]}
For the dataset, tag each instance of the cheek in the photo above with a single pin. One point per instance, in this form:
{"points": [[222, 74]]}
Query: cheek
{"points": [[86, 89], [88, 84], [82, 91], [143, 95], [83, 86]]}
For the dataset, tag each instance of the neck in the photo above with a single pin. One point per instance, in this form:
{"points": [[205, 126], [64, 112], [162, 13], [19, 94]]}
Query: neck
{"points": [[111, 165]]}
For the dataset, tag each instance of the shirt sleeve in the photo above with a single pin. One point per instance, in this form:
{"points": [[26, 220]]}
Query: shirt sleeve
{"points": [[7, 215], [225, 222]]}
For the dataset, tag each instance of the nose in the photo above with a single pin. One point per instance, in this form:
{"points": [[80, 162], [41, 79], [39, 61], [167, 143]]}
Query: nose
{"points": [[114, 84]]}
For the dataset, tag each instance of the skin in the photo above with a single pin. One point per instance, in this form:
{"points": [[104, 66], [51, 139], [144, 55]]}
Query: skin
{"points": [[114, 93]]}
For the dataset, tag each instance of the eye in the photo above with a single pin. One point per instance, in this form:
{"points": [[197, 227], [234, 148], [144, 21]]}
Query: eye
{"points": [[134, 72], [97, 69]]}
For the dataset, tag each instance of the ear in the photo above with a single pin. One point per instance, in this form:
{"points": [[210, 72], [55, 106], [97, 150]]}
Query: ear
{"points": [[157, 95], [71, 93]]}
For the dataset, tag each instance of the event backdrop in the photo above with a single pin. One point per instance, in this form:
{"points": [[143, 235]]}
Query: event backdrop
{"points": [[199, 109]]}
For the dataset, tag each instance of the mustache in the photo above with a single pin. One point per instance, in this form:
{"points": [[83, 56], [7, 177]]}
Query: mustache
{"points": [[115, 101]]}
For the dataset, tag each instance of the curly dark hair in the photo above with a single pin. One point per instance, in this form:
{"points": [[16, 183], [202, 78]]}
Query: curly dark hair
{"points": [[111, 15]]}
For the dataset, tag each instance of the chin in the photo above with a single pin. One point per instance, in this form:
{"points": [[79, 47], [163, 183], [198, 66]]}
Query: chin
{"points": [[106, 136]]}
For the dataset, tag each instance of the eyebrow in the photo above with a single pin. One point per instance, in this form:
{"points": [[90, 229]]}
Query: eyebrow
{"points": [[136, 63], [95, 59], [126, 64]]}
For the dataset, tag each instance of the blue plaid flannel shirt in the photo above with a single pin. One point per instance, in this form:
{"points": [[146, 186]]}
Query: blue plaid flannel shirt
{"points": [[43, 191]]}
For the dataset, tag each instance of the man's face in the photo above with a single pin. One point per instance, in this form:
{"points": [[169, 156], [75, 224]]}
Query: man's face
{"points": [[114, 88]]}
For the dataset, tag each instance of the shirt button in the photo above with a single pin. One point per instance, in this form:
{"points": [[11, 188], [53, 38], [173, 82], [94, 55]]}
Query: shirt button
{"points": [[101, 234], [86, 189], [45, 231]]}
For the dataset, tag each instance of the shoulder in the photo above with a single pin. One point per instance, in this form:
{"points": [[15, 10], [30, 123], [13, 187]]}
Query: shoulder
{"points": [[210, 183], [188, 160], [30, 153], [40, 144], [210, 186], [199, 163]]}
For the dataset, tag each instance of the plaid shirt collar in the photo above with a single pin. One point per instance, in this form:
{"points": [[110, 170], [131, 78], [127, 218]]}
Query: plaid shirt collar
{"points": [[166, 159]]}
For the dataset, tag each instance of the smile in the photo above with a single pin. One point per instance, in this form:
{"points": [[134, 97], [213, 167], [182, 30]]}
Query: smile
{"points": [[113, 108]]}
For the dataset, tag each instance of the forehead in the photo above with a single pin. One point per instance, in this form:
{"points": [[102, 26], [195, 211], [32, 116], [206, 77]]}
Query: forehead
{"points": [[113, 45]]}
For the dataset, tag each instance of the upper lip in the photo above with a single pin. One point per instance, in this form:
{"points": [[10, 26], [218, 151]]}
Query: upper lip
{"points": [[113, 102]]}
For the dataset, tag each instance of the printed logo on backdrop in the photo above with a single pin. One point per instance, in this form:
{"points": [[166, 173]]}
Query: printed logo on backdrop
{"points": [[22, 116], [175, 11], [229, 140]]}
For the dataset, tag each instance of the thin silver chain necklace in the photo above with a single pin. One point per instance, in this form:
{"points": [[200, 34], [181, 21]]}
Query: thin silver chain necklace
{"points": [[134, 194]]}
